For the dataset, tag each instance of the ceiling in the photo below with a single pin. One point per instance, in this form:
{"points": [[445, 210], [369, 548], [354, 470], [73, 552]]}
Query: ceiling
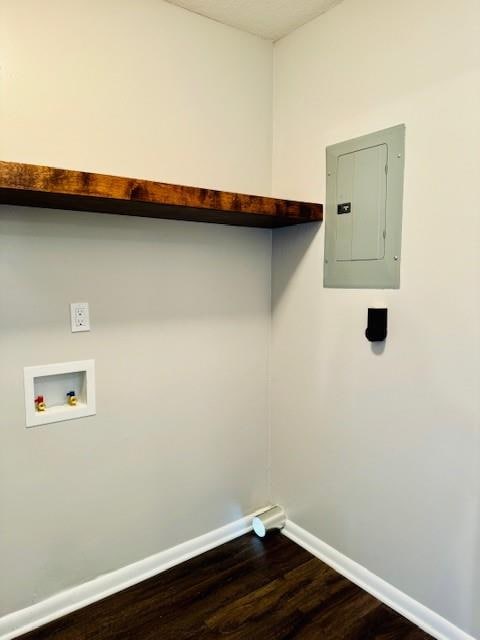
{"points": [[271, 19]]}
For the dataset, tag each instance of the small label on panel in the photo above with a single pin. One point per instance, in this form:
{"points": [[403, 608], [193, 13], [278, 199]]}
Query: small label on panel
{"points": [[346, 207]]}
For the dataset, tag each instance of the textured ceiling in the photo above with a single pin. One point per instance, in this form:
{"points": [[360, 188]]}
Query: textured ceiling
{"points": [[269, 19]]}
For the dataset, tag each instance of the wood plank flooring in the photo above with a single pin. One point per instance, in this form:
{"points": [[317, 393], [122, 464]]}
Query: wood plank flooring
{"points": [[249, 588]]}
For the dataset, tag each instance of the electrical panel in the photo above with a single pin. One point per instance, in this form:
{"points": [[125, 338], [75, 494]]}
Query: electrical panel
{"points": [[364, 211]]}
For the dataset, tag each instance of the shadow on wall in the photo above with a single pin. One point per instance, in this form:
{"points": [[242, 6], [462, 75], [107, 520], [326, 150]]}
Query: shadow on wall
{"points": [[298, 239], [161, 269], [378, 347], [474, 606]]}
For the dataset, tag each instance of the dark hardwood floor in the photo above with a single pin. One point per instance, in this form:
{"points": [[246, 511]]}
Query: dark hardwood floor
{"points": [[268, 589]]}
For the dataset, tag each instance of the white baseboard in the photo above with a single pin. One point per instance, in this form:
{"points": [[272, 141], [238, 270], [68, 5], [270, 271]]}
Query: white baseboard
{"points": [[417, 613], [20, 622]]}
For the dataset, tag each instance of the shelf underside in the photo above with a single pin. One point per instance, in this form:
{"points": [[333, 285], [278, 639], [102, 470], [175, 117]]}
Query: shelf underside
{"points": [[48, 187]]}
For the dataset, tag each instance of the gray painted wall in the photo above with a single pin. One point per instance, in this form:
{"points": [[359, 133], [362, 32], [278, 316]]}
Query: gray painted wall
{"points": [[180, 312], [378, 454]]}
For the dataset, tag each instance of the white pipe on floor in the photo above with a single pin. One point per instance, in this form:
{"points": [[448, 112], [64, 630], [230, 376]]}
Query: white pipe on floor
{"points": [[273, 518]]}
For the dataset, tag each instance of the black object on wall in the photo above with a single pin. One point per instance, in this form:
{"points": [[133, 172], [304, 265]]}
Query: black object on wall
{"points": [[377, 325]]}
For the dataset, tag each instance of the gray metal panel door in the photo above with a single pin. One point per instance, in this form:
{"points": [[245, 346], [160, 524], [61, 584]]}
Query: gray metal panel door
{"points": [[362, 184], [364, 211]]}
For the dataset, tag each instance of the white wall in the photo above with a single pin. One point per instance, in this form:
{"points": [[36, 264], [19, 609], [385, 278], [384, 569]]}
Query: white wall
{"points": [[379, 454], [143, 89], [180, 311]]}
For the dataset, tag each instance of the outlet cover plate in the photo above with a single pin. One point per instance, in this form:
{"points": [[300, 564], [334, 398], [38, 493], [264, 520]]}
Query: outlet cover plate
{"points": [[80, 316]]}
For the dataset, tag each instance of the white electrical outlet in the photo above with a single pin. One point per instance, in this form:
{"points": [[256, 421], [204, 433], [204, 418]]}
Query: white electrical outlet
{"points": [[80, 316]]}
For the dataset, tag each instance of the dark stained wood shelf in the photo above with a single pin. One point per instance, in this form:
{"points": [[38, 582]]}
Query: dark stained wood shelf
{"points": [[39, 186]]}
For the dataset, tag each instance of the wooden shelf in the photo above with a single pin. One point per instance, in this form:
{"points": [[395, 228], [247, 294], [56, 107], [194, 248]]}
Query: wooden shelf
{"points": [[39, 186]]}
